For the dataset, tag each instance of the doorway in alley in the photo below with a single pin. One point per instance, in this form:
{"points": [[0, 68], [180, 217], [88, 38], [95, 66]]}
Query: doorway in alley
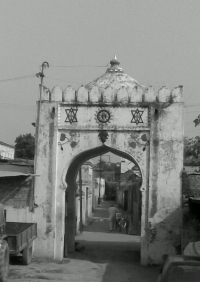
{"points": [[97, 179]]}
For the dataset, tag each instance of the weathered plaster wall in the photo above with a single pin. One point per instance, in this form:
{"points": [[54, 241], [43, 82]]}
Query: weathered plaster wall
{"points": [[86, 179], [166, 164], [99, 185], [46, 214], [85, 206], [136, 210], [69, 127]]}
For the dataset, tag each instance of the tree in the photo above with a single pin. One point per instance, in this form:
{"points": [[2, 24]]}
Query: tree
{"points": [[197, 121], [25, 146], [192, 147], [192, 150]]}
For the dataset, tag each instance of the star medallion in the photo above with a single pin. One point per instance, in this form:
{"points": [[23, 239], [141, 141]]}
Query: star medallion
{"points": [[71, 115], [137, 116]]}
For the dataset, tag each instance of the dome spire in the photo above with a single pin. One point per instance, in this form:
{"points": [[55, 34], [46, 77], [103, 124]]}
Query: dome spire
{"points": [[114, 66]]}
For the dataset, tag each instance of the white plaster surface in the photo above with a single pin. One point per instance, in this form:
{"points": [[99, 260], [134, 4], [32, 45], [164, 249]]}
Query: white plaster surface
{"points": [[160, 163]]}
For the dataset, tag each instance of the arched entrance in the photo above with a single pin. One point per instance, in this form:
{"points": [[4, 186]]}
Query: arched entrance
{"points": [[115, 114], [71, 177]]}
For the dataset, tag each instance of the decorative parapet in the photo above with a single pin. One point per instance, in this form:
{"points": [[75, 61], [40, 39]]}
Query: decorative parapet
{"points": [[177, 94], [69, 94], [82, 95], [45, 95], [164, 95], [95, 95], [150, 95], [122, 95], [56, 94], [136, 95]]}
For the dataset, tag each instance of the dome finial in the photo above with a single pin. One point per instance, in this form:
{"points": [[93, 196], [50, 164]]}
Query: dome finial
{"points": [[114, 66], [114, 61]]}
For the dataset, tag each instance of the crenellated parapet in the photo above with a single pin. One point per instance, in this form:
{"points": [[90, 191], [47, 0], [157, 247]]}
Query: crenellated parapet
{"points": [[123, 95]]}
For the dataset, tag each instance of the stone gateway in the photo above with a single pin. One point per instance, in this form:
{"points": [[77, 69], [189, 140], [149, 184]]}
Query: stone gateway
{"points": [[117, 114]]}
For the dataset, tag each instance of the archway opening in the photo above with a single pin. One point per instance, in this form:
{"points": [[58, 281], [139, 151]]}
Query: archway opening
{"points": [[112, 183]]}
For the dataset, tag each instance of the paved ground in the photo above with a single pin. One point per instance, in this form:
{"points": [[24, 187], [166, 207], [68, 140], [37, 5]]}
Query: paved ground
{"points": [[105, 257]]}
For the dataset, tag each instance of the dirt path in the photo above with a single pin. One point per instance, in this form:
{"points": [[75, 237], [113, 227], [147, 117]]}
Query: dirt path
{"points": [[103, 257]]}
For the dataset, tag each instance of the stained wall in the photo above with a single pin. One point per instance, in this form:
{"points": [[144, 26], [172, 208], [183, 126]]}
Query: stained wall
{"points": [[68, 132]]}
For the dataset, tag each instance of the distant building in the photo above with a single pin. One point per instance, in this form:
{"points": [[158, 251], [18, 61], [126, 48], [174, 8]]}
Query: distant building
{"points": [[86, 183], [6, 151], [17, 189]]}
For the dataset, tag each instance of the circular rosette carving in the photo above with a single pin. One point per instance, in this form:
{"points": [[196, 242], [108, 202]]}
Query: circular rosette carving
{"points": [[103, 116]]}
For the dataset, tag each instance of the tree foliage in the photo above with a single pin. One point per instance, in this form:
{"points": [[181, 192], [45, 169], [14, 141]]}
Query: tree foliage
{"points": [[197, 121], [25, 146], [192, 150], [105, 166]]}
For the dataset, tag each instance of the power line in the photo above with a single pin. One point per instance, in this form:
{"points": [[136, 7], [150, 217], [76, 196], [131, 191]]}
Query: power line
{"points": [[192, 105], [21, 109], [193, 112], [19, 105], [18, 78], [189, 122], [6, 106], [79, 66], [192, 130], [63, 80]]}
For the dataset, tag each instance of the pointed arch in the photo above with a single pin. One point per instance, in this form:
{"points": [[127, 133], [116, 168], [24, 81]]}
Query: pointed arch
{"points": [[70, 179]]}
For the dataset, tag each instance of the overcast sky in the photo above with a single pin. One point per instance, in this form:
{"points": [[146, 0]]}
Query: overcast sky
{"points": [[157, 43]]}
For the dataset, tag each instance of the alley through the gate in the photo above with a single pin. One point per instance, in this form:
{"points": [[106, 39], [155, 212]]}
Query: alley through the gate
{"points": [[117, 252], [103, 256]]}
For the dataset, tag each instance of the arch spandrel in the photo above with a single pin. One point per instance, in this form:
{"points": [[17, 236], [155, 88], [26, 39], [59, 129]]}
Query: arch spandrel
{"points": [[134, 146]]}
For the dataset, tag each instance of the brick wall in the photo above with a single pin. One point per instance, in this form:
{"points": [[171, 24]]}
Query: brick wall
{"points": [[16, 191]]}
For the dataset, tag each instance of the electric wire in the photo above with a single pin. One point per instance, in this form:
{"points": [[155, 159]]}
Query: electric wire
{"points": [[19, 78], [189, 122], [81, 83], [18, 105], [79, 66], [63, 80], [6, 106], [24, 109], [192, 105], [192, 112], [191, 130]]}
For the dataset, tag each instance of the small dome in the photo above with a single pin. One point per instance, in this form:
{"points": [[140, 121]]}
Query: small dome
{"points": [[114, 78]]}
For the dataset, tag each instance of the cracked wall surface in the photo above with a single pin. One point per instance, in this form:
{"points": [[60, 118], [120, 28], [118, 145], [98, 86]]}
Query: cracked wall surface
{"points": [[73, 126]]}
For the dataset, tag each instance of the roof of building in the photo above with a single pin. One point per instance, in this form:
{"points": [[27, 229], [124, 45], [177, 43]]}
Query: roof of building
{"points": [[13, 173], [16, 168], [114, 78], [7, 145]]}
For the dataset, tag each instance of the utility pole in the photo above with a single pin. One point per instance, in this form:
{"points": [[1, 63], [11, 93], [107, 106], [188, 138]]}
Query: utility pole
{"points": [[99, 199], [80, 193], [41, 76]]}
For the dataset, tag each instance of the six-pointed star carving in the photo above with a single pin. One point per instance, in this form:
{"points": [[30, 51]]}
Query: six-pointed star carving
{"points": [[71, 115], [137, 116]]}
